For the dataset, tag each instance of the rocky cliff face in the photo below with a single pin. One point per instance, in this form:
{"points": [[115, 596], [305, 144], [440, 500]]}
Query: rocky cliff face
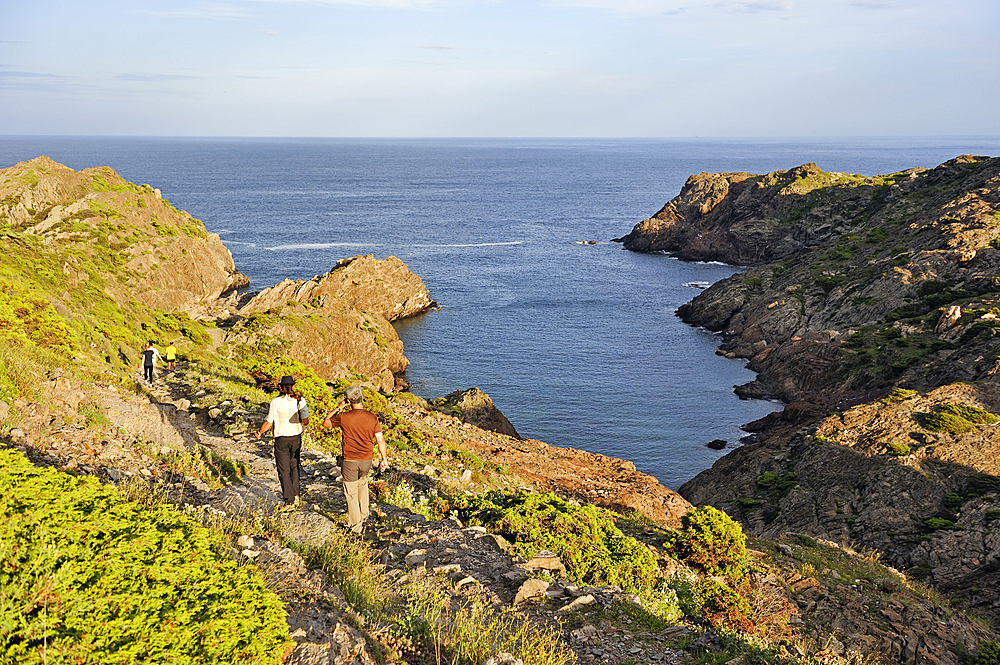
{"points": [[383, 287], [874, 300], [145, 248]]}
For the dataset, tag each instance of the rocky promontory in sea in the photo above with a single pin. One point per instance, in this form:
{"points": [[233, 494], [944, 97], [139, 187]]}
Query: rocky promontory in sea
{"points": [[142, 520], [871, 306]]}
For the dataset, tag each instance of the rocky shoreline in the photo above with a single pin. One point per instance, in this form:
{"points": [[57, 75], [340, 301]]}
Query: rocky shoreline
{"points": [[870, 309]]}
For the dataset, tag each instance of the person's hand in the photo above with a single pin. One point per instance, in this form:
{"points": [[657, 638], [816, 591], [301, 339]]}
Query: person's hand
{"points": [[257, 435], [383, 464]]}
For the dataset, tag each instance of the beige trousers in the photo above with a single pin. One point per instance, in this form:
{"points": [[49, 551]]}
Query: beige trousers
{"points": [[355, 477]]}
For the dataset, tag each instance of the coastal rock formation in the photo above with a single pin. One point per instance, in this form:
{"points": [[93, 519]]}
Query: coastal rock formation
{"points": [[875, 300], [336, 341], [338, 322], [475, 407], [384, 287], [143, 247]]}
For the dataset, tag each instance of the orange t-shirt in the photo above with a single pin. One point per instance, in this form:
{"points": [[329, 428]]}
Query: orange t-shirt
{"points": [[359, 426]]}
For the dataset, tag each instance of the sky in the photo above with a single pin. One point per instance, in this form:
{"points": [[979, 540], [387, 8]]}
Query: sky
{"points": [[470, 68]]}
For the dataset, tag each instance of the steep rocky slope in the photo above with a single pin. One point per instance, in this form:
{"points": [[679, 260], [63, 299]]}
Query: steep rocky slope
{"points": [[148, 250], [871, 308]]}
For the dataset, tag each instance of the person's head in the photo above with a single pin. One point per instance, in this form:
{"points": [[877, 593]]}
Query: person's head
{"points": [[354, 395], [286, 386]]}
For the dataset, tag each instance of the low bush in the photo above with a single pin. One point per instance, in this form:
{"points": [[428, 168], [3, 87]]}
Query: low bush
{"points": [[943, 422], [88, 577], [712, 542], [723, 607], [592, 548], [987, 653], [778, 486], [897, 449], [973, 414]]}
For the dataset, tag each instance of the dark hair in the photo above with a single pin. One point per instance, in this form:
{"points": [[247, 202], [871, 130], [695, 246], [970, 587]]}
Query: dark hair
{"points": [[286, 389]]}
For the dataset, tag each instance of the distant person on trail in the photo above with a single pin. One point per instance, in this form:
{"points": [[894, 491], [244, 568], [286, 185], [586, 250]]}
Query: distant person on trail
{"points": [[149, 356], [359, 427], [289, 414], [171, 356]]}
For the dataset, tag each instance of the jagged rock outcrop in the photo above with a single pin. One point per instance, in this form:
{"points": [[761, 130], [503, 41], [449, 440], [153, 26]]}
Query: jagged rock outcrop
{"points": [[384, 287], [885, 282], [475, 407], [336, 341], [338, 322], [125, 235]]}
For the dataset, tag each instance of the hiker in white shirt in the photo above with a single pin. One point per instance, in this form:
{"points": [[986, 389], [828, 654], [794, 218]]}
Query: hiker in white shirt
{"points": [[289, 414]]}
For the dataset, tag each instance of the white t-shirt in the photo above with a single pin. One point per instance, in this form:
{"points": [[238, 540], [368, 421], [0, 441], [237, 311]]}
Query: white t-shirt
{"points": [[284, 413]]}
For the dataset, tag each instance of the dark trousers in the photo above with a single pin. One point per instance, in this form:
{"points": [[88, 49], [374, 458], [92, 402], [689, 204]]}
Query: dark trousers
{"points": [[286, 457], [147, 372]]}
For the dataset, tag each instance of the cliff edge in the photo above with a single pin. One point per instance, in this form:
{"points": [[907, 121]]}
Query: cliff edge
{"points": [[871, 307]]}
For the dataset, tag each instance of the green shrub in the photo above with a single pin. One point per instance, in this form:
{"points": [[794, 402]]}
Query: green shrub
{"points": [[592, 548], [723, 607], [712, 542], [953, 501], [775, 485], [943, 422], [992, 514], [979, 484], [987, 653], [897, 449], [936, 523], [88, 577], [971, 413]]}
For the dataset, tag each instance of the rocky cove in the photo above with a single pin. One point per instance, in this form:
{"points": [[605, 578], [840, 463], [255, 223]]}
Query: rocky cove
{"points": [[832, 255]]}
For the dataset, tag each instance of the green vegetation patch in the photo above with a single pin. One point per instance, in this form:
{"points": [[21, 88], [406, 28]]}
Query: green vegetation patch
{"points": [[712, 542], [973, 414], [585, 538], [955, 418], [778, 486], [88, 577], [897, 449], [943, 422]]}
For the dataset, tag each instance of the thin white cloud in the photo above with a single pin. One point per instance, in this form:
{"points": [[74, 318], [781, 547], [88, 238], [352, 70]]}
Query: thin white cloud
{"points": [[757, 7], [217, 12], [875, 4], [270, 33], [379, 4], [156, 78], [441, 48]]}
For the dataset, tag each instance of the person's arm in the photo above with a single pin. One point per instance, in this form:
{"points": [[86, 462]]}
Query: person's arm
{"points": [[267, 422], [327, 422], [384, 462], [303, 407]]}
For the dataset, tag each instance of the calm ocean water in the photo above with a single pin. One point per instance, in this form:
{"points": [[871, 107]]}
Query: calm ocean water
{"points": [[577, 344]]}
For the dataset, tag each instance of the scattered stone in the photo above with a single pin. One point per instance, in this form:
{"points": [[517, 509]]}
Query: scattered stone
{"points": [[245, 541], [466, 476], [503, 658], [416, 557], [531, 587], [717, 444], [546, 560], [577, 603]]}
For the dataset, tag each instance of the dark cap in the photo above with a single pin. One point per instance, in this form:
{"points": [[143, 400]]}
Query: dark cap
{"points": [[287, 381]]}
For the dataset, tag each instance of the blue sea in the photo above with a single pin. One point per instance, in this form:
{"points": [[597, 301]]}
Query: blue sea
{"points": [[577, 344]]}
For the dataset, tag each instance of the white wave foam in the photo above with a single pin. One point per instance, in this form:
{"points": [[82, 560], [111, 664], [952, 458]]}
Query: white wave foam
{"points": [[477, 244], [320, 245], [697, 285]]}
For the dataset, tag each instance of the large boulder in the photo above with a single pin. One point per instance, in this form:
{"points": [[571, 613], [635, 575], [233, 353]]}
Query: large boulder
{"points": [[475, 407], [384, 287]]}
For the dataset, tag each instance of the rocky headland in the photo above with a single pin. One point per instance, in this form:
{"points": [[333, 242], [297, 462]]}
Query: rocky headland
{"points": [[95, 266], [870, 307]]}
